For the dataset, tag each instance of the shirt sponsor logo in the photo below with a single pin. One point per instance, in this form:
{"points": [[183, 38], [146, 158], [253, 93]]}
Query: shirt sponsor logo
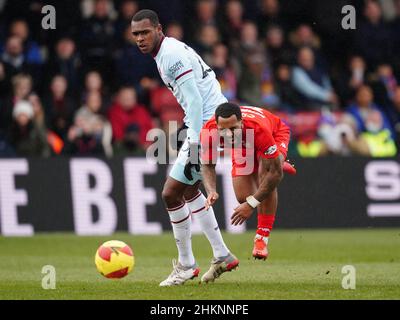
{"points": [[176, 67], [271, 150]]}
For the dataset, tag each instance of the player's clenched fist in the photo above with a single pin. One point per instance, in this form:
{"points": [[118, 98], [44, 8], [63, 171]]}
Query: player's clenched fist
{"points": [[211, 199], [241, 214], [192, 160]]}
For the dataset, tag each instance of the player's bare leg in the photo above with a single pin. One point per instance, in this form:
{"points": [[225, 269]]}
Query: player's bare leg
{"points": [[186, 267]]}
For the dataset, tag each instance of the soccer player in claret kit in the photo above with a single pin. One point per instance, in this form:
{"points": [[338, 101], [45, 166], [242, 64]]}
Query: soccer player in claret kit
{"points": [[195, 87], [258, 141]]}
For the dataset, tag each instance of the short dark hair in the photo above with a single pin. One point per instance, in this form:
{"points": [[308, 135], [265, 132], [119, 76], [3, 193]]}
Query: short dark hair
{"points": [[147, 14], [227, 110]]}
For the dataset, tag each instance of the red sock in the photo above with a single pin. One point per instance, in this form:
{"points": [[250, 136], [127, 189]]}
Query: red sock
{"points": [[265, 224]]}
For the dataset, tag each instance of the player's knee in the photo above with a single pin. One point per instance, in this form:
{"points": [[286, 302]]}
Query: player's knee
{"points": [[190, 194], [170, 197]]}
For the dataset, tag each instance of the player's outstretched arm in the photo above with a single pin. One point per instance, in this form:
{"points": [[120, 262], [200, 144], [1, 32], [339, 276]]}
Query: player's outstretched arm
{"points": [[270, 174], [194, 121], [210, 184], [194, 111]]}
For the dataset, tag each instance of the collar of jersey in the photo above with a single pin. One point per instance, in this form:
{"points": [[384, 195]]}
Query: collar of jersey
{"points": [[158, 48]]}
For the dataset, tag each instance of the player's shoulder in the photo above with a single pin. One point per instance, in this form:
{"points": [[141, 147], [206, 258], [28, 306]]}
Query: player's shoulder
{"points": [[254, 110], [210, 124], [255, 117], [256, 113], [172, 48], [173, 56]]}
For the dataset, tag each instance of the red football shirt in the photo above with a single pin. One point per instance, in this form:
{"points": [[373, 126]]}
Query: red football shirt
{"points": [[263, 135]]}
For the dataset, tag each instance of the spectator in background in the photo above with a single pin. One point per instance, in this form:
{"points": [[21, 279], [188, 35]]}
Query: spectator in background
{"points": [[38, 110], [269, 14], [304, 36], [22, 88], [97, 40], [311, 82], [59, 107], [94, 84], [358, 69], [91, 133], [132, 66], [289, 99], [372, 38], [5, 81], [394, 116], [127, 10], [255, 85], [384, 84], [126, 111], [66, 61], [278, 51], [208, 36], [374, 135], [130, 145], [175, 30], [395, 31], [352, 79], [29, 11], [26, 136], [233, 21], [12, 61], [13, 58], [33, 60], [205, 11], [224, 71], [166, 109], [20, 29], [335, 134]]}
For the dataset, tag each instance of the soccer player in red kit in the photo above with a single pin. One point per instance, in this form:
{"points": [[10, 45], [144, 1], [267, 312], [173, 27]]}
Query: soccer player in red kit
{"points": [[258, 141]]}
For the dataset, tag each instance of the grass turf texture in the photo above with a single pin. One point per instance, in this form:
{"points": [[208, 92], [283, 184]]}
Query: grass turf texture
{"points": [[302, 265]]}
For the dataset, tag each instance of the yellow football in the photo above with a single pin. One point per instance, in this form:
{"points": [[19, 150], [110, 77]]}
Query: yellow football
{"points": [[114, 259]]}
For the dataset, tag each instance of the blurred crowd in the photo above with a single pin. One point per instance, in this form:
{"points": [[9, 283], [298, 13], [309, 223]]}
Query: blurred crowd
{"points": [[85, 89]]}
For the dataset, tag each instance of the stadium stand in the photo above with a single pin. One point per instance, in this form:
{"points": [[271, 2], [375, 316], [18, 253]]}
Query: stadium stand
{"points": [[270, 53]]}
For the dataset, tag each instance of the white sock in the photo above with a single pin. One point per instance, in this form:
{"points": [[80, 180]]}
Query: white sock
{"points": [[208, 223], [180, 221], [265, 239]]}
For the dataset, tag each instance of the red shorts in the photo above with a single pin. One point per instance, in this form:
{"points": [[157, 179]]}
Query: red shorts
{"points": [[250, 166]]}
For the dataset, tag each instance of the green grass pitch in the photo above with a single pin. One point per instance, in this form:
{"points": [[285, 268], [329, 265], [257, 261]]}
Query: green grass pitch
{"points": [[303, 264]]}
